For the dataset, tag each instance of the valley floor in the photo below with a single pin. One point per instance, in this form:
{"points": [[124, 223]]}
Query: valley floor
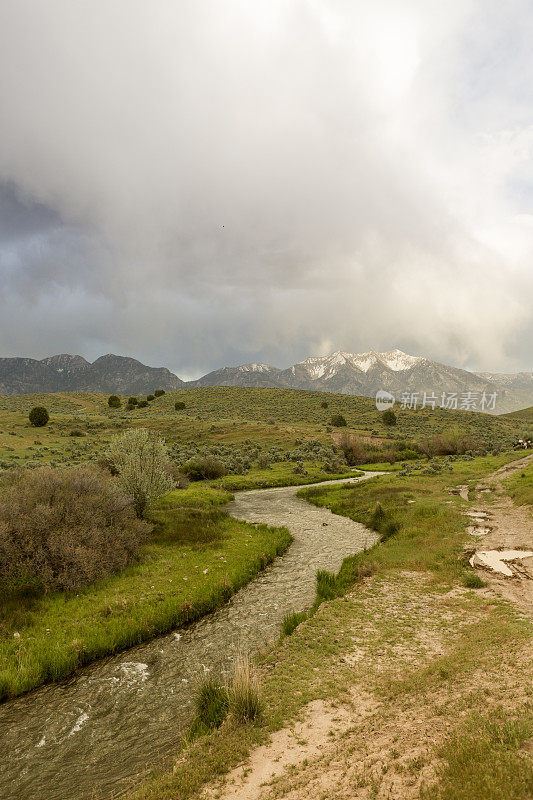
{"points": [[412, 685]]}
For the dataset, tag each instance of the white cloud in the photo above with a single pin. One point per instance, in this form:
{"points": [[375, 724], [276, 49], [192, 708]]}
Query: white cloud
{"points": [[262, 181]]}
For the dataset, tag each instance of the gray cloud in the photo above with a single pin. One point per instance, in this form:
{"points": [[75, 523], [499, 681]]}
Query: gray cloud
{"points": [[197, 183]]}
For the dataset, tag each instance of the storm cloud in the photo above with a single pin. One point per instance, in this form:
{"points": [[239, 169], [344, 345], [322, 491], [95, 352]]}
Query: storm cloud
{"points": [[198, 183]]}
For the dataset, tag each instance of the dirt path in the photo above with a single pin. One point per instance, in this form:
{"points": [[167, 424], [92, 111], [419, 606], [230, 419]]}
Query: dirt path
{"points": [[502, 527]]}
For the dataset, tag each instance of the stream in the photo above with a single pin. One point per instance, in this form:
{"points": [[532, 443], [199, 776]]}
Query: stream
{"points": [[98, 733]]}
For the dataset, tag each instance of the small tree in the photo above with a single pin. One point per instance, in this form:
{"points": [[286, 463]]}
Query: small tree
{"points": [[389, 417], [159, 393], [39, 416], [179, 405], [141, 461], [114, 401], [338, 421]]}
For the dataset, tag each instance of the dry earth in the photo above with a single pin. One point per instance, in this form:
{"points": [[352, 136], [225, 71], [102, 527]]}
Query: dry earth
{"points": [[508, 528]]}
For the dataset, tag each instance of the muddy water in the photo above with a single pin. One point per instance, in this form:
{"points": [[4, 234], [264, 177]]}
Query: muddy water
{"points": [[95, 733]]}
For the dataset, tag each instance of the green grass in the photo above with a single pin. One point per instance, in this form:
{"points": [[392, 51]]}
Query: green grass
{"points": [[520, 485], [524, 414], [197, 559], [280, 474], [196, 495], [223, 415], [484, 760], [431, 531]]}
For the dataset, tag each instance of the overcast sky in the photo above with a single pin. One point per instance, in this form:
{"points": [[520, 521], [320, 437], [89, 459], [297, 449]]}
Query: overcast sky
{"points": [[206, 182]]}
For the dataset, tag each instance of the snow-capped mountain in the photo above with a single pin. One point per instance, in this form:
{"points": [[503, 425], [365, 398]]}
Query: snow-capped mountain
{"points": [[366, 373], [328, 366]]}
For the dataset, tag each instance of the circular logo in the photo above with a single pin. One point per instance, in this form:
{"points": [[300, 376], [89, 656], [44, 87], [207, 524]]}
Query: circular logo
{"points": [[384, 400]]}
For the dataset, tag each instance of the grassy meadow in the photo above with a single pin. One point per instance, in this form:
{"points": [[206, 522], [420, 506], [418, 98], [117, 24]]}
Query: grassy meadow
{"points": [[398, 624], [81, 424]]}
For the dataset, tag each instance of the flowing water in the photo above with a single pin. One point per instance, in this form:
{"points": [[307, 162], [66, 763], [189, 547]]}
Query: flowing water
{"points": [[99, 731]]}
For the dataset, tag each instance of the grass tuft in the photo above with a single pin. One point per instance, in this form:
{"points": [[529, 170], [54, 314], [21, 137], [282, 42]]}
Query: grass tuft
{"points": [[472, 581], [291, 621], [211, 704], [243, 691]]}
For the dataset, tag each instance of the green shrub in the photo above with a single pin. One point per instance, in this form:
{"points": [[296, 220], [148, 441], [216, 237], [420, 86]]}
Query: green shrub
{"points": [[38, 416], [179, 405], [114, 401], [150, 397], [338, 421], [204, 468], [159, 393], [142, 403], [65, 528], [76, 432], [324, 404], [389, 417], [141, 460], [132, 401]]}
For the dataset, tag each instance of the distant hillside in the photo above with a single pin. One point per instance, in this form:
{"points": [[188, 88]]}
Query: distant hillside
{"points": [[365, 373], [66, 373], [525, 413], [517, 385]]}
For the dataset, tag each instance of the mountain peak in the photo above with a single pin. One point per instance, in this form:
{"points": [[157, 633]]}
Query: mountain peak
{"points": [[396, 360]]}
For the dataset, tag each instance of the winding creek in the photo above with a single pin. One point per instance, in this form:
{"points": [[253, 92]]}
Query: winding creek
{"points": [[99, 731]]}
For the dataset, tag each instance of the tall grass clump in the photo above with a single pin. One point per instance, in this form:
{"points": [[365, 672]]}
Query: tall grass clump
{"points": [[473, 581], [291, 621], [326, 585], [211, 704], [244, 694], [381, 522]]}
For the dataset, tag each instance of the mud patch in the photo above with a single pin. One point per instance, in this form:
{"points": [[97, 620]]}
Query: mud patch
{"points": [[496, 560]]}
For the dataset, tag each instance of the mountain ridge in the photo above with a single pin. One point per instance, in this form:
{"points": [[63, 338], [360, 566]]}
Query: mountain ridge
{"points": [[66, 373], [339, 372]]}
